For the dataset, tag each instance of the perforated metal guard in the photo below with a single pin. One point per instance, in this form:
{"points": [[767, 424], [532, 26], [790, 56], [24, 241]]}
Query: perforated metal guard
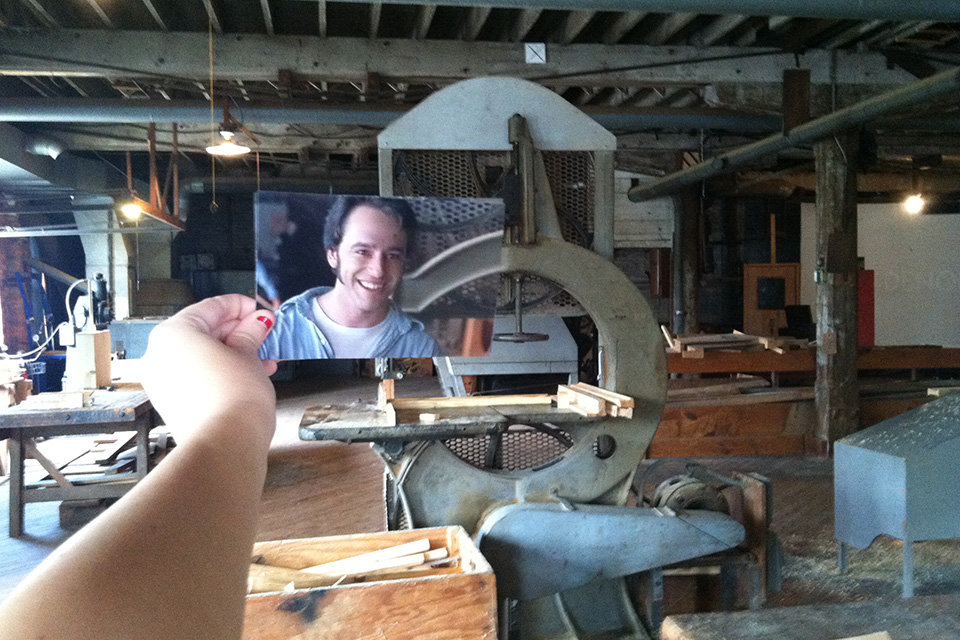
{"points": [[521, 448], [444, 223], [461, 174]]}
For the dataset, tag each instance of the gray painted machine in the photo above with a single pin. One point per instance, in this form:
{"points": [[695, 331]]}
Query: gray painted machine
{"points": [[545, 493]]}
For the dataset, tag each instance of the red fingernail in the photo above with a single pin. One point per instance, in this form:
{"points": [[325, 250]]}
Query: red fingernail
{"points": [[265, 320]]}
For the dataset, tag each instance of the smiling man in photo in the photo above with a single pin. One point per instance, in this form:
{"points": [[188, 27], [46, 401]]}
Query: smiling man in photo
{"points": [[365, 240]]}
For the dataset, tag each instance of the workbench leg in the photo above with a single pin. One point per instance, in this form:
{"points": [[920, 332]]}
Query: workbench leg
{"points": [[17, 453], [842, 556], [143, 446], [907, 568]]}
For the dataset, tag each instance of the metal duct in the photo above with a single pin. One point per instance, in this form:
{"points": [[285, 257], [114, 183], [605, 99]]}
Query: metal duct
{"points": [[144, 111], [940, 10], [927, 89]]}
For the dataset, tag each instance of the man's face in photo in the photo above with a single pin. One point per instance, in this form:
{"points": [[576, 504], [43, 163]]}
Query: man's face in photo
{"points": [[369, 259]]}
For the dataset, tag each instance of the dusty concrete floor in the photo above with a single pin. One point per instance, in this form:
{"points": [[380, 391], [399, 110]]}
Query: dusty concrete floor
{"points": [[803, 519]]}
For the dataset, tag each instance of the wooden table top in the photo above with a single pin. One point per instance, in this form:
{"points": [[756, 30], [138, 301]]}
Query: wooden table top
{"points": [[105, 407]]}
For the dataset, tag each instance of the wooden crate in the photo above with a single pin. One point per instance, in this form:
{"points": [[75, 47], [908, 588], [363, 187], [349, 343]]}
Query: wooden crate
{"points": [[455, 603]]}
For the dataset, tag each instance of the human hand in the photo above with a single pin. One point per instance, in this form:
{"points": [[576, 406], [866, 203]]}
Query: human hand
{"points": [[201, 366]]}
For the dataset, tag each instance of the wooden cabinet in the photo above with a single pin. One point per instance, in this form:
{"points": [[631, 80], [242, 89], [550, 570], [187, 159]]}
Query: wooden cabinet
{"points": [[767, 289]]}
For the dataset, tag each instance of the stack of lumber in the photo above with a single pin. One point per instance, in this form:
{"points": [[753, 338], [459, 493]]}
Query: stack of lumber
{"points": [[406, 560], [694, 346], [592, 401], [410, 584]]}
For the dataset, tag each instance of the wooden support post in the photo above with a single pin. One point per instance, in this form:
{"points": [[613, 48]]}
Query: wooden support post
{"points": [[686, 257], [836, 388]]}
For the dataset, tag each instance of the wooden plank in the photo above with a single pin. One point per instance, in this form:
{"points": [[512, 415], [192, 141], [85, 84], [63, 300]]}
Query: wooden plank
{"points": [[722, 340], [733, 421], [106, 407], [909, 358], [55, 400], [584, 403], [705, 387], [877, 358], [738, 446], [306, 552], [790, 394], [439, 607], [33, 452], [876, 410], [919, 618], [264, 578], [613, 397], [743, 362], [939, 392], [123, 440], [349, 564], [427, 404], [445, 604], [385, 393]]}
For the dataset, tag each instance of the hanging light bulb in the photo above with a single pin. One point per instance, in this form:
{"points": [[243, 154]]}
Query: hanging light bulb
{"points": [[131, 210], [914, 204], [227, 147]]}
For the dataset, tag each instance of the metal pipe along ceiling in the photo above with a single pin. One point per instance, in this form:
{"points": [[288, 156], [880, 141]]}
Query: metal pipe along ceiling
{"points": [[115, 111], [939, 10], [860, 113]]}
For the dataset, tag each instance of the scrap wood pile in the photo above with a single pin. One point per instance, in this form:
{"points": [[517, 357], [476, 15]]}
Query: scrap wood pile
{"points": [[308, 567], [110, 458], [694, 346]]}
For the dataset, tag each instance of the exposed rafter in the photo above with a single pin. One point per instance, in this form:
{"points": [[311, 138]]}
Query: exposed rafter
{"points": [[423, 21], [476, 18], [719, 28], [37, 9], [669, 27], [322, 18], [523, 24], [622, 25], [183, 56], [154, 14], [267, 16], [573, 24], [376, 9], [212, 16], [837, 9], [104, 18]]}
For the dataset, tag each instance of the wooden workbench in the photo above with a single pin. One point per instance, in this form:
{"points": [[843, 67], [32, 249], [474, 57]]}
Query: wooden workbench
{"points": [[921, 618], [108, 412], [805, 360]]}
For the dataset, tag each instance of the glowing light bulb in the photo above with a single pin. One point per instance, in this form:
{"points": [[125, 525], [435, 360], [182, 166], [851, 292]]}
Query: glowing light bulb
{"points": [[914, 204], [131, 210], [228, 147]]}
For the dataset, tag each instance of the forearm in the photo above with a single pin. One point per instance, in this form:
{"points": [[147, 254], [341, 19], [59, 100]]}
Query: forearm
{"points": [[178, 542]]}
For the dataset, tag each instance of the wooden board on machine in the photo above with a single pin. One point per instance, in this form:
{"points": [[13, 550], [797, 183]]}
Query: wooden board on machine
{"points": [[448, 600], [578, 400], [590, 401]]}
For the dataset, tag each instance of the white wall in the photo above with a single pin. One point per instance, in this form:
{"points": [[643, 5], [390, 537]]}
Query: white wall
{"points": [[917, 270], [647, 224]]}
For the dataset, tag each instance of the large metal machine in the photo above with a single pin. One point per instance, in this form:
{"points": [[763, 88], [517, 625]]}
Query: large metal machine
{"points": [[544, 492]]}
